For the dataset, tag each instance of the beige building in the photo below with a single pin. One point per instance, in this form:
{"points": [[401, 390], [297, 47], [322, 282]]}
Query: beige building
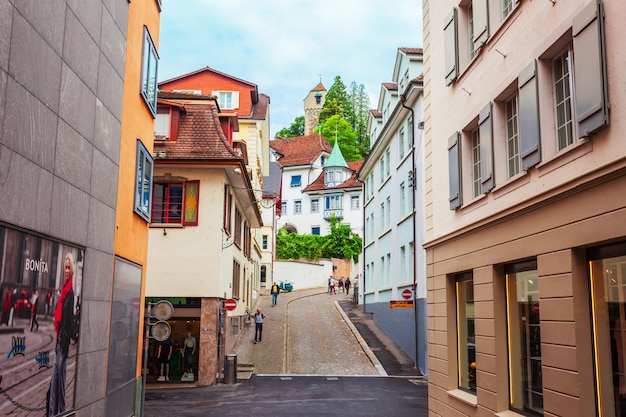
{"points": [[525, 209], [313, 103]]}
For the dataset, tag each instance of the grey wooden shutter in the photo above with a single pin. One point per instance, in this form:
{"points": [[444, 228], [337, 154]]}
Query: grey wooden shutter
{"points": [[480, 18], [451, 45], [590, 80], [454, 168], [486, 149], [529, 134]]}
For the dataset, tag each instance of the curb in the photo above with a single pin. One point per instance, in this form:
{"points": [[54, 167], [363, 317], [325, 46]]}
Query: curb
{"points": [[359, 338]]}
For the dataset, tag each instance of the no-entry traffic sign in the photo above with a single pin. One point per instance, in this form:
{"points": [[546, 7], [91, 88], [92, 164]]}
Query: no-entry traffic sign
{"points": [[407, 294], [230, 304]]}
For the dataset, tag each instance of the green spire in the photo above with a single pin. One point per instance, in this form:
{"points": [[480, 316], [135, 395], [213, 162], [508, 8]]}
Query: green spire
{"points": [[336, 158]]}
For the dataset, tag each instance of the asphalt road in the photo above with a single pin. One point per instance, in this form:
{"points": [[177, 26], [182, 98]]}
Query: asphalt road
{"points": [[310, 396]]}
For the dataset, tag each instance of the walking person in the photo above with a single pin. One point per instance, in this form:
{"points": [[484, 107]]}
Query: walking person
{"points": [[346, 285], [331, 283], [258, 320], [33, 314], [274, 291]]}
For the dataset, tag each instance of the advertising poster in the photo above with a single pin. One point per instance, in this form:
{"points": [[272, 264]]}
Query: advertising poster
{"points": [[40, 287]]}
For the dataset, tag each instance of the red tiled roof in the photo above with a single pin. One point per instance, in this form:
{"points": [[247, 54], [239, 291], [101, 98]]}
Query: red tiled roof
{"points": [[319, 87], [390, 86], [301, 150], [351, 182], [376, 113], [200, 137], [259, 110]]}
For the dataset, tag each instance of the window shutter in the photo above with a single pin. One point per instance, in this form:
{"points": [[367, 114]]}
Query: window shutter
{"points": [[191, 200], [235, 99], [590, 80], [529, 117], [451, 42], [480, 16], [486, 149], [454, 167]]}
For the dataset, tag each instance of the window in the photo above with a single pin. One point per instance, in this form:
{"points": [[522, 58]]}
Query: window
{"points": [[381, 164], [143, 184], [607, 274], [315, 230], [228, 100], [402, 205], [176, 203], [476, 163], [470, 32], [167, 205], [563, 100], [355, 202], [238, 221], [512, 137], [382, 216], [401, 144], [296, 180], [524, 337], [264, 242], [228, 204], [297, 207], [466, 348], [387, 162], [149, 67], [315, 205], [162, 124], [403, 265], [283, 206], [236, 278], [388, 214], [507, 7]]}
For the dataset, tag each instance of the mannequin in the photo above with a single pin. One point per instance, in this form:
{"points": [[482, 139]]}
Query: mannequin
{"points": [[189, 352], [165, 354]]}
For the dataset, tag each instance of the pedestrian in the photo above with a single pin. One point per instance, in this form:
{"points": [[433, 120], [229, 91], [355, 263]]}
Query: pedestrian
{"points": [[331, 283], [33, 314], [274, 291], [341, 285], [346, 285], [258, 320]]}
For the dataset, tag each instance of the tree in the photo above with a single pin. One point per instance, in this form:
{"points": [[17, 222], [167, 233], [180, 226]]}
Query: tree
{"points": [[294, 130], [341, 242], [360, 102], [336, 96], [331, 108], [338, 127]]}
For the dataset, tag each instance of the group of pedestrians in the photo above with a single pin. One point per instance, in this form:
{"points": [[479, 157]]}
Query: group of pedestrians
{"points": [[344, 285]]}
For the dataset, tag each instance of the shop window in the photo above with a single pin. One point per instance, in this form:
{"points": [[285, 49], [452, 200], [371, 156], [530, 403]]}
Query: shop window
{"points": [[143, 185], [466, 347], [524, 338], [607, 273]]}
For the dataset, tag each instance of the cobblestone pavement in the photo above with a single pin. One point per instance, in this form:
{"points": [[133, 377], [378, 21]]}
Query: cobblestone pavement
{"points": [[306, 334]]}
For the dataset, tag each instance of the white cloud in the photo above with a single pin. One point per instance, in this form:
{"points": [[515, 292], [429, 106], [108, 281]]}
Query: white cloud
{"points": [[284, 46]]}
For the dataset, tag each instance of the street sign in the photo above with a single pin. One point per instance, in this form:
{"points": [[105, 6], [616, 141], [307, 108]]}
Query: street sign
{"points": [[401, 304], [230, 304], [407, 294]]}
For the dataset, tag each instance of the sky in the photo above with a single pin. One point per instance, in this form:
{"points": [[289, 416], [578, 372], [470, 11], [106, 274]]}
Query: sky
{"points": [[286, 46]]}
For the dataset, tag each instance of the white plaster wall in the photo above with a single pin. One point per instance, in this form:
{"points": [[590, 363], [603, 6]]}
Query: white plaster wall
{"points": [[303, 275]]}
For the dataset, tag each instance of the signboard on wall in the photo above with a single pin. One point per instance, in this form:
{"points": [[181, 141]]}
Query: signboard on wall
{"points": [[40, 293]]}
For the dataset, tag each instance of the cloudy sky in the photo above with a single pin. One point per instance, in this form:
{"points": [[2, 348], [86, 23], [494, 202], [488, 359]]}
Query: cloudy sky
{"points": [[285, 46]]}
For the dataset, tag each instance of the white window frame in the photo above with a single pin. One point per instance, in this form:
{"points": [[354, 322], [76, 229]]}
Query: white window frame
{"points": [[563, 82], [297, 207], [511, 113]]}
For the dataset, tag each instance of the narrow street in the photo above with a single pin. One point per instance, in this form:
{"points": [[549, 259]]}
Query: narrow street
{"points": [[312, 361]]}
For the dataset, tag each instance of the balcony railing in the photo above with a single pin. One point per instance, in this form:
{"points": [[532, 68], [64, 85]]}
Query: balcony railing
{"points": [[328, 213]]}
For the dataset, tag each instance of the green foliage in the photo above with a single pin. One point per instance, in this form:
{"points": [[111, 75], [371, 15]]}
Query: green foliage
{"points": [[337, 96], [296, 129], [337, 126], [339, 243], [360, 103], [331, 108]]}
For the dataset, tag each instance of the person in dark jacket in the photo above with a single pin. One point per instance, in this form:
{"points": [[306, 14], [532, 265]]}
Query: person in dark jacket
{"points": [[64, 326], [274, 291]]}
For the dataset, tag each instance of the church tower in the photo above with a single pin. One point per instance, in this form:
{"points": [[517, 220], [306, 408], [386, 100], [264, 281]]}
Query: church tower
{"points": [[313, 103]]}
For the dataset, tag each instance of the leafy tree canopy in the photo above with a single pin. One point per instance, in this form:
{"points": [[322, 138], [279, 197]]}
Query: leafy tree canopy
{"points": [[337, 96], [339, 243], [337, 126], [294, 130]]}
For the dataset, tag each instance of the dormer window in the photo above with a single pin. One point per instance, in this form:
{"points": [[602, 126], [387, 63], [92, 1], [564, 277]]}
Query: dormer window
{"points": [[162, 124]]}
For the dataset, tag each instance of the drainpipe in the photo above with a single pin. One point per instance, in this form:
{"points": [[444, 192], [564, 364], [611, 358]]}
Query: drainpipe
{"points": [[402, 102]]}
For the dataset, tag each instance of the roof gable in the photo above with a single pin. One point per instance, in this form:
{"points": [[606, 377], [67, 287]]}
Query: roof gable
{"points": [[300, 150]]}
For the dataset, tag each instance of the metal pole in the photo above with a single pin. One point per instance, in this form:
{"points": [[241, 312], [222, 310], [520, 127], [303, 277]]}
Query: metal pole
{"points": [[145, 359]]}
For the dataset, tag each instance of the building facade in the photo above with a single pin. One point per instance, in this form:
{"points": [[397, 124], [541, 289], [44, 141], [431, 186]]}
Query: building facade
{"points": [[313, 103], [63, 140], [525, 250], [201, 253], [393, 209]]}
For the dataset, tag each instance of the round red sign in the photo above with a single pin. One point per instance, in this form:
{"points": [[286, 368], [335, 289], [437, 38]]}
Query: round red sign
{"points": [[407, 294], [230, 304]]}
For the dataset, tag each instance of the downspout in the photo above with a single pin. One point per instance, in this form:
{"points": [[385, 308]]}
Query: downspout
{"points": [[413, 186]]}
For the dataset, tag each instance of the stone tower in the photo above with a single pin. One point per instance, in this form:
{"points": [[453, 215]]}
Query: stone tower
{"points": [[313, 103]]}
